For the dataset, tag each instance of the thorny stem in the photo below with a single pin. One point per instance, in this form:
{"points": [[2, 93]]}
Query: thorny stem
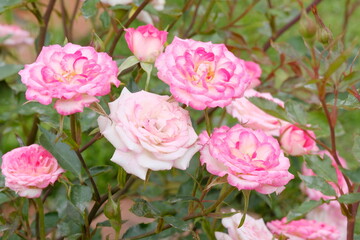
{"points": [[126, 25], [83, 163], [282, 30], [32, 135], [91, 142], [72, 19], [43, 28]]}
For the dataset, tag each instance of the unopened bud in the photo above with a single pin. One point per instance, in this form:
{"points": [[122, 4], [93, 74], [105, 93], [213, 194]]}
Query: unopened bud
{"points": [[307, 26], [324, 35]]}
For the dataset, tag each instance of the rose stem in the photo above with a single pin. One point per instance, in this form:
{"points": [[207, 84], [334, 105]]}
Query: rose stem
{"points": [[40, 219]]}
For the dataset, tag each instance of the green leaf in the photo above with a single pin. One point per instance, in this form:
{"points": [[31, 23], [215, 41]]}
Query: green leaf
{"points": [[143, 208], [349, 80], [349, 198], [51, 220], [104, 224], [6, 70], [80, 196], [139, 229], [319, 184], [322, 168], [356, 146], [336, 64], [300, 211], [121, 177], [296, 112], [177, 223], [129, 62], [288, 50], [270, 108], [89, 8], [182, 199], [353, 175], [105, 19], [4, 198], [8, 4], [66, 157], [69, 213], [97, 170]]}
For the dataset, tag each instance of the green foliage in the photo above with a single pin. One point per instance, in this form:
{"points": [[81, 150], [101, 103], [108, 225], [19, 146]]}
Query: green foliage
{"points": [[300, 211], [62, 152], [318, 183], [89, 8]]}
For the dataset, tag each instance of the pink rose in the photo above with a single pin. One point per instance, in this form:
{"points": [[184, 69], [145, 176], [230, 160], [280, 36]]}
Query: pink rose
{"points": [[14, 35], [149, 132], [317, 195], [72, 74], [331, 215], [146, 42], [251, 229], [254, 71], [250, 158], [29, 169], [303, 229], [294, 141], [202, 74], [253, 117]]}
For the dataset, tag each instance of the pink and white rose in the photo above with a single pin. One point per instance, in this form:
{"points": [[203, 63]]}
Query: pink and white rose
{"points": [[303, 229], [13, 35], [146, 42], [149, 131], [73, 75], [202, 74], [29, 169], [295, 141], [254, 71], [331, 215], [250, 159], [251, 229], [253, 117]]}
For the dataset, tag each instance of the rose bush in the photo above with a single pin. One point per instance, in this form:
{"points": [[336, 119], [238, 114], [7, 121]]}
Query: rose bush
{"points": [[249, 158], [73, 75], [202, 74], [28, 170], [149, 132]]}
